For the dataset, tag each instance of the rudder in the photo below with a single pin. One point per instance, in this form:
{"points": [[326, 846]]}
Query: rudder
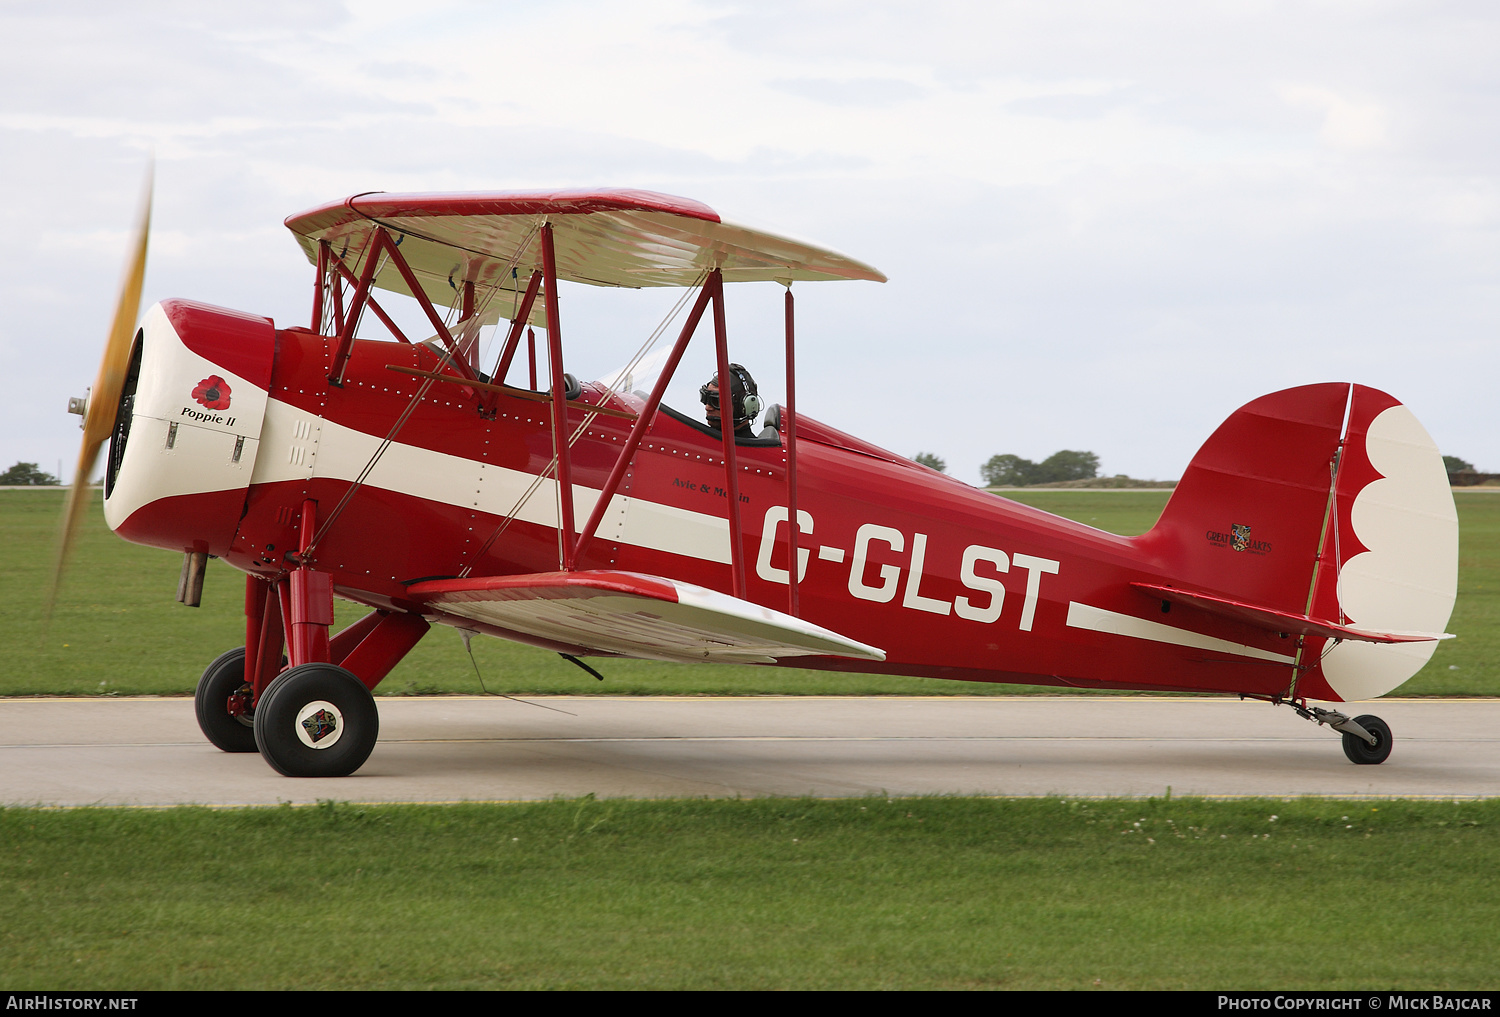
{"points": [[1394, 538]]}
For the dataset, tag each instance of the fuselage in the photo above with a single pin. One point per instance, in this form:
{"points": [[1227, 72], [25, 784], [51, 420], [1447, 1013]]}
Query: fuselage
{"points": [[234, 424]]}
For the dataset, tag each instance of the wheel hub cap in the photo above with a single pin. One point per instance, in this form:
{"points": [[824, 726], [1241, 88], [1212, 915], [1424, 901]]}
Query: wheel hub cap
{"points": [[319, 725]]}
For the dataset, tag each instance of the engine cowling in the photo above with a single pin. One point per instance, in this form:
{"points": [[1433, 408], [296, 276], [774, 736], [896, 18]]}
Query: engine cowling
{"points": [[187, 430]]}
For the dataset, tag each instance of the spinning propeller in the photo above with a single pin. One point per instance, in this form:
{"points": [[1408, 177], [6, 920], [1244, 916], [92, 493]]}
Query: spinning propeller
{"points": [[103, 401]]}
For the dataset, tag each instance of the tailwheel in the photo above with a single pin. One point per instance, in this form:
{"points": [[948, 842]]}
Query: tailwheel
{"points": [[1361, 751], [1367, 739], [222, 702], [316, 720]]}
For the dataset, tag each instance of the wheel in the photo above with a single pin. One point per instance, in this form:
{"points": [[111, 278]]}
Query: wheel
{"points": [[316, 720], [222, 702], [1360, 751]]}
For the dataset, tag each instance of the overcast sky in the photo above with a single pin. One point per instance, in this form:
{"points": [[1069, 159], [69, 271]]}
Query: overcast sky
{"points": [[1106, 225]]}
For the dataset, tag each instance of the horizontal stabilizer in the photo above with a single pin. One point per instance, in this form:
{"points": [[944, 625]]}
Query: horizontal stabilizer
{"points": [[636, 615], [1274, 620]]}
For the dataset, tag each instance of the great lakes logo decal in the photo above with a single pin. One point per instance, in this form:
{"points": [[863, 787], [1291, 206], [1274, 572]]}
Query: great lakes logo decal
{"points": [[212, 392], [1238, 539]]}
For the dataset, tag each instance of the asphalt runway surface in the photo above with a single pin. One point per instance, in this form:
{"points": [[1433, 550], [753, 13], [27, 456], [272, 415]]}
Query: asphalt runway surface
{"points": [[149, 751]]}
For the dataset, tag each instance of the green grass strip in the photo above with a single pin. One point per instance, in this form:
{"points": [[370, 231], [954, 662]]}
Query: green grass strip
{"points": [[766, 893]]}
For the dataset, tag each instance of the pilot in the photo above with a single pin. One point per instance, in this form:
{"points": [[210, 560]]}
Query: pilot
{"points": [[746, 399]]}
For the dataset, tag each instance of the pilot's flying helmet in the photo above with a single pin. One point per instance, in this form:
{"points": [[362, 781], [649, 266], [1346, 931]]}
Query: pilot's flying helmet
{"points": [[745, 395]]}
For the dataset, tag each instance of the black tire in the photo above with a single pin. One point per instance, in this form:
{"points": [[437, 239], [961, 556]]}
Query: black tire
{"points": [[1362, 752], [316, 720], [222, 679]]}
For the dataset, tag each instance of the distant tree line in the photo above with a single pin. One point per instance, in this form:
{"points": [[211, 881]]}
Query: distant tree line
{"points": [[25, 475], [1013, 471], [1461, 473]]}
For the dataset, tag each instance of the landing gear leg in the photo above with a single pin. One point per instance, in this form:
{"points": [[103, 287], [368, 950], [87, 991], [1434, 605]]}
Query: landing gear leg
{"points": [[318, 718]]}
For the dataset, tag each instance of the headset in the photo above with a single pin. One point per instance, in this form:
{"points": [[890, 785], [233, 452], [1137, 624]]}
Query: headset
{"points": [[746, 405]]}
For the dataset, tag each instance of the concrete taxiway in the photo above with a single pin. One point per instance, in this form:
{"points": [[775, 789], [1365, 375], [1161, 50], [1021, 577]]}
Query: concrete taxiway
{"points": [[149, 751]]}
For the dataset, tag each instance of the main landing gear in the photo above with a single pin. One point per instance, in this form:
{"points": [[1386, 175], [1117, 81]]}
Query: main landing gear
{"points": [[316, 718], [1367, 738]]}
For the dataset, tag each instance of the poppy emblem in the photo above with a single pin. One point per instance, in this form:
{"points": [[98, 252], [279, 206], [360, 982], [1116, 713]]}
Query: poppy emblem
{"points": [[213, 392]]}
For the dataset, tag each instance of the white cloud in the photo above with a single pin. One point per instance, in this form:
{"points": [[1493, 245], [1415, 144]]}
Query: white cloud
{"points": [[1347, 123]]}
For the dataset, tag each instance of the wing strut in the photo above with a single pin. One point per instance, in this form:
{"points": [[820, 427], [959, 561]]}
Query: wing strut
{"points": [[345, 323], [711, 291], [361, 294], [370, 302], [560, 447], [322, 284], [793, 523], [731, 469], [513, 340]]}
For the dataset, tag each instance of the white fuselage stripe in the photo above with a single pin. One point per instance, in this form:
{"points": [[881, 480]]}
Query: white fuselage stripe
{"points": [[298, 445], [1096, 619]]}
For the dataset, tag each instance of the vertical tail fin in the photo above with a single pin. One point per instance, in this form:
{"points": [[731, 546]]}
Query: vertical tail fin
{"points": [[1247, 517], [1328, 501]]}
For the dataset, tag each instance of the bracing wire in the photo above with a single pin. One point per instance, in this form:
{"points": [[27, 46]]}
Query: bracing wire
{"points": [[411, 405], [468, 634], [656, 334], [583, 426], [364, 474]]}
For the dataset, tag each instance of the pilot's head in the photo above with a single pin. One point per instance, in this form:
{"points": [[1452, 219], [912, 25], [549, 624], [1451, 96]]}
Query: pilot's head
{"points": [[743, 394]]}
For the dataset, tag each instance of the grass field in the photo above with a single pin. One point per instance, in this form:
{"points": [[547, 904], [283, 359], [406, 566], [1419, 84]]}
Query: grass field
{"points": [[769, 893], [119, 631]]}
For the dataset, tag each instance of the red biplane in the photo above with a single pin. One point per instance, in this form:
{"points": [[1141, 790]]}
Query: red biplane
{"points": [[1309, 552]]}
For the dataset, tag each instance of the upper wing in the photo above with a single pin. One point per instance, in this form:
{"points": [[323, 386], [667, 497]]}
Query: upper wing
{"points": [[636, 615], [604, 238]]}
